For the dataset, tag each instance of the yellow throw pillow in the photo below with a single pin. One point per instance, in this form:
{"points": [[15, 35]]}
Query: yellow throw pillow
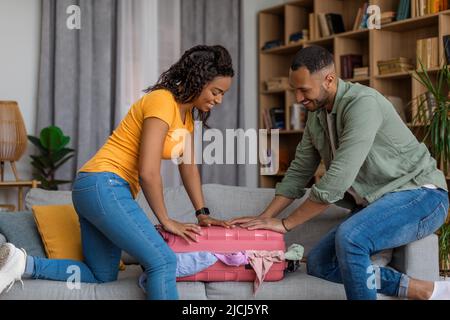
{"points": [[59, 228]]}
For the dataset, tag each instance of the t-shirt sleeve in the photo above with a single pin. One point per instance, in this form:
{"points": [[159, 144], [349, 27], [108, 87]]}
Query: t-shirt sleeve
{"points": [[159, 104]]}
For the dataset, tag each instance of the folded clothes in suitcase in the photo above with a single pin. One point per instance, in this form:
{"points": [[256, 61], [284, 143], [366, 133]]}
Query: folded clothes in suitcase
{"points": [[222, 241]]}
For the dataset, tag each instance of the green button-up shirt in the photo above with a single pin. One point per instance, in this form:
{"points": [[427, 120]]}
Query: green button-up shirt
{"points": [[376, 153]]}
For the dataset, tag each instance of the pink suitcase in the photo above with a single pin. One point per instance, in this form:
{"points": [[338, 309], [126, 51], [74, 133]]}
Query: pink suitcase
{"points": [[222, 240]]}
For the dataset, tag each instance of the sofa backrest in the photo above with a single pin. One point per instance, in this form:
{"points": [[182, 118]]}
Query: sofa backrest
{"points": [[225, 202]]}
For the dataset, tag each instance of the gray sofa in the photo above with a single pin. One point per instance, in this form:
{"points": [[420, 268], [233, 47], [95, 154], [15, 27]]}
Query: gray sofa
{"points": [[418, 259]]}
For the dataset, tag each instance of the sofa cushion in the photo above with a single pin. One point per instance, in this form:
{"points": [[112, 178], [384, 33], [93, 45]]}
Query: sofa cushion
{"points": [[59, 228], [19, 228]]}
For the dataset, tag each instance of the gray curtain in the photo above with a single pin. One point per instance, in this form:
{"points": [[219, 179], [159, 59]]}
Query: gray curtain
{"points": [[218, 22], [77, 76]]}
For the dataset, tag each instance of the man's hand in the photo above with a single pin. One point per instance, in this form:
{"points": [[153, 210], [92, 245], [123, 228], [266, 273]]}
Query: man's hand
{"points": [[185, 230], [253, 223], [207, 221], [241, 220]]}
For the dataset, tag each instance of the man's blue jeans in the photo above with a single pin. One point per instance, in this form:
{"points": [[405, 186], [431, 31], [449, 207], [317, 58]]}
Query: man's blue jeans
{"points": [[112, 221], [396, 219]]}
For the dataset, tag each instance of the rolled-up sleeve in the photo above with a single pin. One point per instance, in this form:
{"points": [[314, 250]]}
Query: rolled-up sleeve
{"points": [[361, 121], [301, 170]]}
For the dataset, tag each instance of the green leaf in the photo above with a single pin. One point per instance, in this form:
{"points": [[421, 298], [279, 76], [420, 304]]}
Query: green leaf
{"points": [[39, 168], [37, 143], [58, 155], [53, 138], [63, 161]]}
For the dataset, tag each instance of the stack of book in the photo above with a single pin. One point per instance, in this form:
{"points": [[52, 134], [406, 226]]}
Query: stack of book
{"points": [[404, 10], [395, 65], [359, 73], [361, 18], [330, 23], [427, 53], [388, 17], [424, 7], [277, 84], [348, 63]]}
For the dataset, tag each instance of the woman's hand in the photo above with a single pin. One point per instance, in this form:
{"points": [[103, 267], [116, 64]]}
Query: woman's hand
{"points": [[253, 223], [207, 221], [185, 230]]}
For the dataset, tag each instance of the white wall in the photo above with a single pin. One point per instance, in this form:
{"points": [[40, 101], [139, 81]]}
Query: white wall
{"points": [[19, 64], [249, 82]]}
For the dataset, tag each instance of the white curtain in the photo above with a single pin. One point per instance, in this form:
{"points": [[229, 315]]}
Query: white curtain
{"points": [[148, 43]]}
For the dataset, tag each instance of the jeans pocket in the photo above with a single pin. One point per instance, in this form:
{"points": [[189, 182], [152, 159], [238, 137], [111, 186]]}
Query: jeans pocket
{"points": [[88, 204], [432, 222]]}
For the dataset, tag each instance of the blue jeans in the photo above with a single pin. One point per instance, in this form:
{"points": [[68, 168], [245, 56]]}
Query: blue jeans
{"points": [[112, 221], [396, 219]]}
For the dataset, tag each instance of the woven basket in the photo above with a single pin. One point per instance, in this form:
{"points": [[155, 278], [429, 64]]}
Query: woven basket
{"points": [[13, 135]]}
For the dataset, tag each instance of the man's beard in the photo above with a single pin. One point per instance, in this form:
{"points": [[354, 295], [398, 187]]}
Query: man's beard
{"points": [[321, 102]]}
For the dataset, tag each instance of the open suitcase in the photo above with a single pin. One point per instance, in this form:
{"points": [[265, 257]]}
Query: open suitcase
{"points": [[222, 240]]}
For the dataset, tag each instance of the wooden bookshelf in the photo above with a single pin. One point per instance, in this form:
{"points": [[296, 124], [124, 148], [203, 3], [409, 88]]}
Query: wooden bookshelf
{"points": [[393, 40]]}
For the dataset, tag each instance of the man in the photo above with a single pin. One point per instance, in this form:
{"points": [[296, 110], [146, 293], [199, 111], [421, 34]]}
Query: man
{"points": [[399, 195]]}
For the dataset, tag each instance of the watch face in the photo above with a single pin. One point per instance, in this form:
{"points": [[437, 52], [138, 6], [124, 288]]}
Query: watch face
{"points": [[204, 211]]}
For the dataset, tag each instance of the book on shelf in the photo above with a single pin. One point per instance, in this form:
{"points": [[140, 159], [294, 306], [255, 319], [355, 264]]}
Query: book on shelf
{"points": [[312, 27], [348, 63], [364, 17], [266, 119], [387, 17], [324, 30], [361, 72], [335, 23], [278, 118], [424, 7], [427, 53], [394, 65], [424, 114], [330, 23], [404, 10], [446, 40]]}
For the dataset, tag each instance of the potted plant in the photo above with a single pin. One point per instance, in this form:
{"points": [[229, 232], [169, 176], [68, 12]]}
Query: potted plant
{"points": [[433, 118], [53, 154]]}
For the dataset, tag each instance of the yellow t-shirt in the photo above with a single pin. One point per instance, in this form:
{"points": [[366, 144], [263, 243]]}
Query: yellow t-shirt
{"points": [[120, 154]]}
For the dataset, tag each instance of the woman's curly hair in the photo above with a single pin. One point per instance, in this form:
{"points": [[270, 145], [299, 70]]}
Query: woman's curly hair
{"points": [[196, 68]]}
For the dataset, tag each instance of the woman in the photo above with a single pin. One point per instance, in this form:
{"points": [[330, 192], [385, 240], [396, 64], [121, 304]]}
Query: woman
{"points": [[105, 187]]}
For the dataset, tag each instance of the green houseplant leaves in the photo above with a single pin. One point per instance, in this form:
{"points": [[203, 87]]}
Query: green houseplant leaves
{"points": [[53, 154], [436, 123]]}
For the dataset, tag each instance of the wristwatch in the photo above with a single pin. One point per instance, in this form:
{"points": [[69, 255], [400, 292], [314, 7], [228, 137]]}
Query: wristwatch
{"points": [[204, 211]]}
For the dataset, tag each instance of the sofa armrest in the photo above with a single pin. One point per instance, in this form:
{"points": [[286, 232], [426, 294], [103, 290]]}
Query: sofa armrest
{"points": [[419, 259]]}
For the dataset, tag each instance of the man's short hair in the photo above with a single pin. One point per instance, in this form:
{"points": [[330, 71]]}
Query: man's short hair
{"points": [[314, 58]]}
